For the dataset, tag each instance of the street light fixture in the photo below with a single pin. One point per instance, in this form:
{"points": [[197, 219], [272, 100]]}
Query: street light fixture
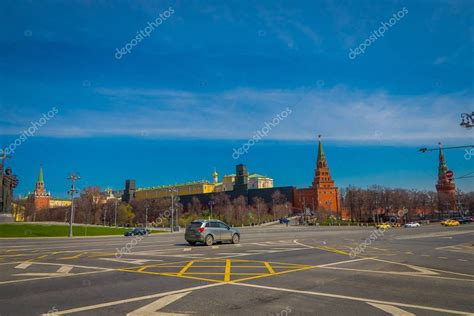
{"points": [[211, 203], [172, 192], [467, 120], [73, 176]]}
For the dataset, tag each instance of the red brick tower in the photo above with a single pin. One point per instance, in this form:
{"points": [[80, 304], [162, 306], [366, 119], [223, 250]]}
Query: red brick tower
{"points": [[445, 186], [327, 195], [322, 195], [40, 196]]}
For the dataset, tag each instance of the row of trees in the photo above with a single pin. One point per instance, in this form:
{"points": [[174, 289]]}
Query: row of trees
{"points": [[375, 201], [359, 205]]}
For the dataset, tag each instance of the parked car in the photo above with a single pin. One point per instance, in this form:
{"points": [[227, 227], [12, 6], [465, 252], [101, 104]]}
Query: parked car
{"points": [[137, 231], [210, 231], [284, 220], [464, 220], [412, 225], [450, 222], [383, 226]]}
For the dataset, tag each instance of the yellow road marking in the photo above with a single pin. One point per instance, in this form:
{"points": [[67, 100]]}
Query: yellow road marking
{"points": [[269, 267], [276, 273], [332, 250], [186, 267], [227, 270]]}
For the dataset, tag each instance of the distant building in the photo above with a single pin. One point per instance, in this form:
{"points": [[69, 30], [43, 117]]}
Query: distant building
{"points": [[41, 199], [445, 185], [255, 181], [323, 195]]}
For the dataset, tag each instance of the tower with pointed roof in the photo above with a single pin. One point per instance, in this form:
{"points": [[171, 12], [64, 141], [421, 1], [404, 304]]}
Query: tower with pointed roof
{"points": [[215, 176], [323, 195], [41, 198], [445, 185]]}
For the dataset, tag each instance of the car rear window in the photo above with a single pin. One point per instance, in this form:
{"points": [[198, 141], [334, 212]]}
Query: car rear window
{"points": [[195, 224]]}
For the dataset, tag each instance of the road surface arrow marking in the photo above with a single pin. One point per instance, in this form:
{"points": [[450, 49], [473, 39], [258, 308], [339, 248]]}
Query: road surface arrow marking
{"points": [[392, 310], [153, 308]]}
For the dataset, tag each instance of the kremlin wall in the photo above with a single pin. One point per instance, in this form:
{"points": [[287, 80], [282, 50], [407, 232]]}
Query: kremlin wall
{"points": [[322, 195]]}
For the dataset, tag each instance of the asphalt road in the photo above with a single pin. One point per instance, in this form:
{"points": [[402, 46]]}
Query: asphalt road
{"points": [[275, 270]]}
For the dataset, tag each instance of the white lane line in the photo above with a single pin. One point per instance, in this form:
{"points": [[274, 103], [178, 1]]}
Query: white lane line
{"points": [[23, 265], [187, 249], [463, 260], [428, 235], [135, 299], [41, 274], [237, 245], [392, 310], [151, 309], [298, 243], [215, 247], [55, 276], [64, 269], [341, 262], [352, 298], [130, 261]]}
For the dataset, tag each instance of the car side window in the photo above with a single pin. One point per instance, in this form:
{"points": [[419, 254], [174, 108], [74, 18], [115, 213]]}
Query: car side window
{"points": [[214, 224], [224, 226]]}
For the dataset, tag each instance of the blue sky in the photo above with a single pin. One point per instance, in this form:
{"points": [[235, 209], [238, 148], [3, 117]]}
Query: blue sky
{"points": [[214, 72]]}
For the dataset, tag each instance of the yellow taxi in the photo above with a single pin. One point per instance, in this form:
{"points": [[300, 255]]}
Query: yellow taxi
{"points": [[383, 226], [450, 222]]}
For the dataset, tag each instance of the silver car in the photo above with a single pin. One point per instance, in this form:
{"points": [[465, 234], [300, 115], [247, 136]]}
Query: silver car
{"points": [[210, 231]]}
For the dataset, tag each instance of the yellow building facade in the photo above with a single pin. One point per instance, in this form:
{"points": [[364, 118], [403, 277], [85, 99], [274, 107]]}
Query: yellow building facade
{"points": [[59, 203], [256, 181]]}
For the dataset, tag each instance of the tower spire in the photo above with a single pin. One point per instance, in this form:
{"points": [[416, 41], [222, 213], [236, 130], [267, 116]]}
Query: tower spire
{"points": [[321, 155], [322, 176], [40, 175], [445, 186]]}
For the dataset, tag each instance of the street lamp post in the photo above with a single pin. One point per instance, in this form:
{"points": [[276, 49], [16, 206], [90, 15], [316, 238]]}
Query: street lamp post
{"points": [[211, 203], [146, 217], [73, 176], [172, 191], [105, 214], [115, 217]]}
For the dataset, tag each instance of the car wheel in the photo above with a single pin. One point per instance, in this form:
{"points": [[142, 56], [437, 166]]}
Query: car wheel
{"points": [[209, 240], [235, 239], [192, 243]]}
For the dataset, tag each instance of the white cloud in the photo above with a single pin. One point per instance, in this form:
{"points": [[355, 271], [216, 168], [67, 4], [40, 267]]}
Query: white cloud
{"points": [[338, 113]]}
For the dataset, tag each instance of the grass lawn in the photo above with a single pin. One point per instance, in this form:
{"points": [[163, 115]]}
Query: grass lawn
{"points": [[45, 230]]}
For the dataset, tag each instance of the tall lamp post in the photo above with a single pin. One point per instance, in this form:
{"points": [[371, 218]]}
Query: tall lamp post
{"points": [[211, 203], [105, 214], [467, 120], [73, 177], [172, 192], [115, 217]]}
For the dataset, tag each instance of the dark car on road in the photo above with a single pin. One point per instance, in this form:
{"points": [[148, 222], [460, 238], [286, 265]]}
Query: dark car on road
{"points": [[210, 231], [464, 220], [137, 232]]}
